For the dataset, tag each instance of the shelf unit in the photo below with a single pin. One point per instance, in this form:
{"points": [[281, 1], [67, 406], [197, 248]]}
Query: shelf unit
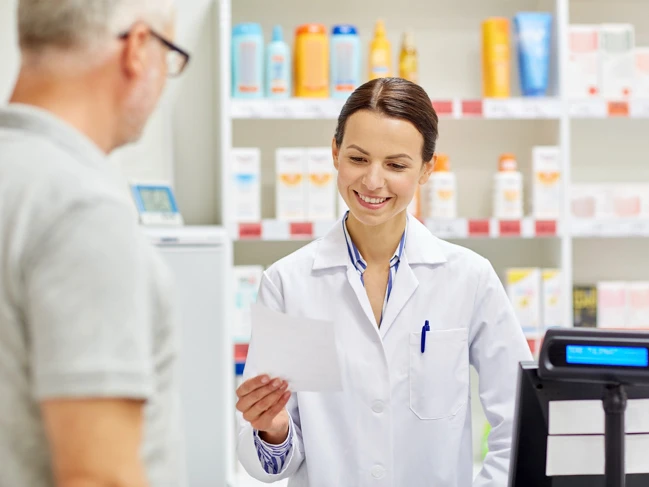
{"points": [[473, 130]]}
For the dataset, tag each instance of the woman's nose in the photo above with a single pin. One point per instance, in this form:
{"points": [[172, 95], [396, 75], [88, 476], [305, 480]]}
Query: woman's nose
{"points": [[373, 178]]}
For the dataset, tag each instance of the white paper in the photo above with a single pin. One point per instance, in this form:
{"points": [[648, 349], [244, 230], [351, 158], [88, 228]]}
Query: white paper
{"points": [[584, 455], [587, 417], [299, 350]]}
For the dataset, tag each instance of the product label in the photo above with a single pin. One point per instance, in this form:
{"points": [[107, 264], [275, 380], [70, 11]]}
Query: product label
{"points": [[278, 74], [248, 72], [344, 68], [315, 66]]}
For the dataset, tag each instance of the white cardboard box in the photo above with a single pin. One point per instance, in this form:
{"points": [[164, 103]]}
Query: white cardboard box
{"points": [[246, 177], [291, 187]]}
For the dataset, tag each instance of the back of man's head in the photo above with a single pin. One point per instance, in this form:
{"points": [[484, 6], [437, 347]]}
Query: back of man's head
{"points": [[87, 24], [101, 65]]}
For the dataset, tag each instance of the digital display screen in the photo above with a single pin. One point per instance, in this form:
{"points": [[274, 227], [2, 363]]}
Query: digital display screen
{"points": [[611, 356], [156, 200]]}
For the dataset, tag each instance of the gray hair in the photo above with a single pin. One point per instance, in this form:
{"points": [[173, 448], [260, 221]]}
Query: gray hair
{"points": [[84, 23]]}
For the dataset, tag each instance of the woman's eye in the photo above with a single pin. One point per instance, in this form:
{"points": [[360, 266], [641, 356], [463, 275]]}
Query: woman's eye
{"points": [[398, 167], [357, 159]]}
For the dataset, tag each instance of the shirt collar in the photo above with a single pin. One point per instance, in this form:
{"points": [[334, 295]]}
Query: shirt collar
{"points": [[356, 257], [39, 122], [420, 247]]}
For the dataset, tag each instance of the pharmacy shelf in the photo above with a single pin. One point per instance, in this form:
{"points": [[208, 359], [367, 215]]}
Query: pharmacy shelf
{"points": [[460, 228], [605, 228], [488, 108], [329, 109]]}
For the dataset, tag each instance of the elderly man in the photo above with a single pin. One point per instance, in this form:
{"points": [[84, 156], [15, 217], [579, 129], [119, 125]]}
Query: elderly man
{"points": [[87, 339]]}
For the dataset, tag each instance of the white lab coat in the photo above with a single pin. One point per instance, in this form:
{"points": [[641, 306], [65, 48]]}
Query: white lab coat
{"points": [[403, 418]]}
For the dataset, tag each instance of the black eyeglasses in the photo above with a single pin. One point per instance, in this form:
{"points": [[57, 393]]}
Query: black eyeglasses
{"points": [[177, 58]]}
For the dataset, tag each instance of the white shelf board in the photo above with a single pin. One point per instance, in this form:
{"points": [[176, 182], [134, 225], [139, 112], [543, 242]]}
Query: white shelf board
{"points": [[615, 228], [458, 228], [529, 108]]}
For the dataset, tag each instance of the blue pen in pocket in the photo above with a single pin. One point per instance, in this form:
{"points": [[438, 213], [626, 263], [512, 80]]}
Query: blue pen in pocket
{"points": [[424, 329]]}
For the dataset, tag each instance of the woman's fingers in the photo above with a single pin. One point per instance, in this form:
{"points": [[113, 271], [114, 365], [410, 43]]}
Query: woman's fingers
{"points": [[265, 403], [247, 401]]}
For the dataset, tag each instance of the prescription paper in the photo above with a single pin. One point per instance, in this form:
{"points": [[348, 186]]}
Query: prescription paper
{"points": [[301, 351]]}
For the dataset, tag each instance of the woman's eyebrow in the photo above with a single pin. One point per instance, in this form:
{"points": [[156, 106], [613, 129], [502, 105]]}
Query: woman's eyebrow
{"points": [[354, 146], [399, 156]]}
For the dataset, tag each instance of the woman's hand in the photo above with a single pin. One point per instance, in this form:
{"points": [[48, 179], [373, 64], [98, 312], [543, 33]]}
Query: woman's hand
{"points": [[262, 402]]}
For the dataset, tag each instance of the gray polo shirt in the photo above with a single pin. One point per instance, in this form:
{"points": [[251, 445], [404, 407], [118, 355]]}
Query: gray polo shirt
{"points": [[85, 301]]}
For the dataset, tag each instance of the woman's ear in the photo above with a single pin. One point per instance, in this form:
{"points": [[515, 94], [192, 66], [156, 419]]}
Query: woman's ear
{"points": [[427, 169], [334, 153]]}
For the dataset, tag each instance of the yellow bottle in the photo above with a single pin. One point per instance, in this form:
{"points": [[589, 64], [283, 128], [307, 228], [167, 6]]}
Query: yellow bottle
{"points": [[496, 58], [380, 53], [311, 61], [408, 66]]}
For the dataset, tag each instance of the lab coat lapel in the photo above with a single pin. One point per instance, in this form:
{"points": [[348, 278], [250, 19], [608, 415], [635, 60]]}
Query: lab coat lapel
{"points": [[361, 294], [404, 286]]}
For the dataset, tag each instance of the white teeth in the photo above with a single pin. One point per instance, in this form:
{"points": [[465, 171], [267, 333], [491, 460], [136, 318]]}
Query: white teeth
{"points": [[374, 201]]}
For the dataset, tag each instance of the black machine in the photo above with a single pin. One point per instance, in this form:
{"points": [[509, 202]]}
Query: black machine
{"points": [[579, 364]]}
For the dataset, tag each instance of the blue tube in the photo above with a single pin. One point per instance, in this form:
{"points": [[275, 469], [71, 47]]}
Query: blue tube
{"points": [[533, 33]]}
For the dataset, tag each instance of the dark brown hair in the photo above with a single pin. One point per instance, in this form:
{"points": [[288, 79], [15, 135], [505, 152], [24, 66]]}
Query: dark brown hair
{"points": [[395, 98]]}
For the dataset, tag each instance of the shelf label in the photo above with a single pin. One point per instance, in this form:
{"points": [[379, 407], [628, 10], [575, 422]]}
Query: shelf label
{"points": [[545, 228], [588, 109], [443, 107], [479, 228], [505, 108], [249, 231], [472, 108], [301, 230], [639, 109], [281, 109], [540, 108], [509, 228], [276, 230], [452, 228], [315, 109], [618, 109]]}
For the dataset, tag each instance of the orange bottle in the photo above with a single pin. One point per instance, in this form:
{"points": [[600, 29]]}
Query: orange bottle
{"points": [[311, 61]]}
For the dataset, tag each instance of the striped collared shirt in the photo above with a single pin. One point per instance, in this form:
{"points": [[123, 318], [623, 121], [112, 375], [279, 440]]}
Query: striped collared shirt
{"points": [[360, 265]]}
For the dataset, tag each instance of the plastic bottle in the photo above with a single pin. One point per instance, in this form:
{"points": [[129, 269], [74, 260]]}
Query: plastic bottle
{"points": [[408, 65], [345, 60], [380, 53], [247, 61], [496, 58], [508, 189], [278, 62], [311, 61], [442, 190]]}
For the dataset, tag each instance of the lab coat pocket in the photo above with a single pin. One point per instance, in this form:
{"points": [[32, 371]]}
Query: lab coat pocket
{"points": [[439, 377]]}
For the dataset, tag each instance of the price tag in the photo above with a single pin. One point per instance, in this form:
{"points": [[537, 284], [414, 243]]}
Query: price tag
{"points": [[452, 228], [533, 108], [502, 109], [479, 228], [618, 109], [638, 228], [509, 228], [249, 231], [276, 230], [301, 230], [588, 109], [472, 108], [444, 108], [639, 109], [545, 228], [281, 109], [315, 109]]}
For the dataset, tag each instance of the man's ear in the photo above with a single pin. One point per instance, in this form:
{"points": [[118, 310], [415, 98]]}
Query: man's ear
{"points": [[135, 55]]}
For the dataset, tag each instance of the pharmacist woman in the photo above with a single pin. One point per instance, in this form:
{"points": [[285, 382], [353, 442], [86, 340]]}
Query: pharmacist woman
{"points": [[411, 312]]}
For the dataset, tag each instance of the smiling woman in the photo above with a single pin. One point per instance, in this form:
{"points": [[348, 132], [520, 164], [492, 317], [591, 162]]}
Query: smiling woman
{"points": [[410, 312]]}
